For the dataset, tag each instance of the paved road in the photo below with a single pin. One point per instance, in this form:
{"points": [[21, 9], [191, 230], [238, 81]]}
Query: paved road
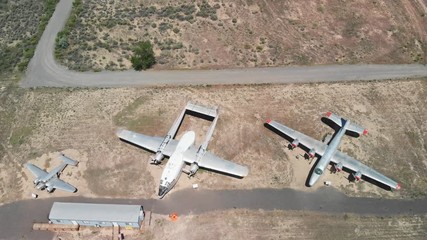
{"points": [[23, 213], [44, 71]]}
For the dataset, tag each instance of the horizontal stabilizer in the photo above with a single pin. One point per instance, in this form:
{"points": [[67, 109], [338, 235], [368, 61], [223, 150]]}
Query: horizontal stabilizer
{"points": [[353, 127], [68, 160]]}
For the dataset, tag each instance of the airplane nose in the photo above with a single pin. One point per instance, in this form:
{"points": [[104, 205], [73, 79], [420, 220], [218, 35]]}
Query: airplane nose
{"points": [[162, 191], [313, 179]]}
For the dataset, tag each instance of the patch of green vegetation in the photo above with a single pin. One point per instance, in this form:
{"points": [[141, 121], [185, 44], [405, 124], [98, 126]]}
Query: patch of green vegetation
{"points": [[183, 12], [206, 10], [143, 56], [19, 135], [62, 39], [165, 26], [169, 44], [17, 20]]}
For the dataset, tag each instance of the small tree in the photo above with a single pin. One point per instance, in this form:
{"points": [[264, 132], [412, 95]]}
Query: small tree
{"points": [[143, 56]]}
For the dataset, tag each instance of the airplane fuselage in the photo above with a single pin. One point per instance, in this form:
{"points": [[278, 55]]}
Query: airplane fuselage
{"points": [[170, 175], [327, 155], [175, 164], [53, 173]]}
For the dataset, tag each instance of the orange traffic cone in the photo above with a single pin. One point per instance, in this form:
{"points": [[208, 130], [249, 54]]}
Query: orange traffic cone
{"points": [[173, 217]]}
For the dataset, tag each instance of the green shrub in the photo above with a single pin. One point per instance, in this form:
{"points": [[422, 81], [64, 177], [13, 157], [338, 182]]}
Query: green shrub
{"points": [[143, 56]]}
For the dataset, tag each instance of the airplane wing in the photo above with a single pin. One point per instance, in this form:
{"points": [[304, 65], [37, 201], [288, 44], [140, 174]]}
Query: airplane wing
{"points": [[147, 142], [36, 171], [303, 139], [213, 162], [355, 165], [59, 184]]}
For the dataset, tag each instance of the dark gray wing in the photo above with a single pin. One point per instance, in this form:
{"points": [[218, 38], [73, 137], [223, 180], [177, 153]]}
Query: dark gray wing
{"points": [[36, 171], [213, 162], [355, 165], [303, 139]]}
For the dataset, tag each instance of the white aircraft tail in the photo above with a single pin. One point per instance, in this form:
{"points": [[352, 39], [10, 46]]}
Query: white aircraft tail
{"points": [[68, 160], [353, 127]]}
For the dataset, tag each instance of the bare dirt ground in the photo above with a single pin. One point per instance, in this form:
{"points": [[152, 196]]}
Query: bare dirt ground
{"points": [[247, 224], [246, 33], [82, 123]]}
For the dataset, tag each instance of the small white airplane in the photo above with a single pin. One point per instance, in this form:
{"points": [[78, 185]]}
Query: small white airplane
{"points": [[50, 181], [329, 152]]}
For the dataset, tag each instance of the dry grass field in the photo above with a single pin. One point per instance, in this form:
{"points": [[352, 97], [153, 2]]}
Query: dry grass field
{"points": [[248, 224], [245, 33], [37, 124]]}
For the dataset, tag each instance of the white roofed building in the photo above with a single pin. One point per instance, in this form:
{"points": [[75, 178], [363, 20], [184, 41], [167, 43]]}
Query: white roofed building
{"points": [[97, 215]]}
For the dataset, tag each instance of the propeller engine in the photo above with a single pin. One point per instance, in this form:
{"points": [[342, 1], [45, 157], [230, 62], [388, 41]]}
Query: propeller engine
{"points": [[357, 175], [157, 159], [193, 169], [338, 167], [36, 181], [311, 153], [49, 189], [295, 143], [40, 186]]}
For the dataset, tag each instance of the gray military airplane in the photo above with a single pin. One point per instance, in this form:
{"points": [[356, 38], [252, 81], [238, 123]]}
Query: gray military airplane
{"points": [[183, 151], [329, 152], [50, 181]]}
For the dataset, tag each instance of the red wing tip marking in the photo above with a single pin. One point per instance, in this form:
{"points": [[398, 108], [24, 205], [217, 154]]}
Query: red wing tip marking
{"points": [[365, 131], [268, 121], [398, 186], [328, 114]]}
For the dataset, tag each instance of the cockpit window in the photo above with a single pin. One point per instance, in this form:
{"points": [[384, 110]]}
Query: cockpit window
{"points": [[318, 171]]}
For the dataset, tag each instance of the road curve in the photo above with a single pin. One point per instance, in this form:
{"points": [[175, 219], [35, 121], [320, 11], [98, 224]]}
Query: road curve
{"points": [[23, 213], [44, 71]]}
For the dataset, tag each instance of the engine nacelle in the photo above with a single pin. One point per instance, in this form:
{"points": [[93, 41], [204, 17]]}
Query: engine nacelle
{"points": [[193, 169], [40, 186], [357, 175], [338, 167], [49, 189], [36, 181], [311, 153], [295, 143], [158, 158]]}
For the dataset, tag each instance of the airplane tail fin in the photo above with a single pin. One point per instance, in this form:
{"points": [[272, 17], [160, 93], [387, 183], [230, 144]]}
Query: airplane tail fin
{"points": [[353, 127], [68, 160]]}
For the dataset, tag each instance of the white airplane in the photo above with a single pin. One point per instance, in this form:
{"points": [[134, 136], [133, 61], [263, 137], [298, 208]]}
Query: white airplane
{"points": [[329, 152], [50, 181], [183, 151]]}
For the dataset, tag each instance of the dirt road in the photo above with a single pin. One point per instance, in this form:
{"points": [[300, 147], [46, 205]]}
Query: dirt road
{"points": [[44, 71]]}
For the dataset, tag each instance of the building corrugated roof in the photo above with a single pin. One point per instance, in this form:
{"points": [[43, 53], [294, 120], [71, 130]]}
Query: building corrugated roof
{"points": [[95, 212]]}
